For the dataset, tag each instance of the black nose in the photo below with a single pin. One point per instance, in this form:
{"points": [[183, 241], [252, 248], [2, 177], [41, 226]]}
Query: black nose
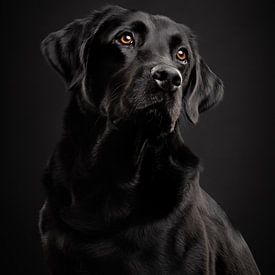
{"points": [[167, 77]]}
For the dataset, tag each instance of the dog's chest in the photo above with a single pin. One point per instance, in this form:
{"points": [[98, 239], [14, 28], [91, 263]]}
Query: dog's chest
{"points": [[145, 251]]}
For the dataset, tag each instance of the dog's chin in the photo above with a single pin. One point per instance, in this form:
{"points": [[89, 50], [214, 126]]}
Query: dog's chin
{"points": [[154, 120], [161, 117], [159, 120]]}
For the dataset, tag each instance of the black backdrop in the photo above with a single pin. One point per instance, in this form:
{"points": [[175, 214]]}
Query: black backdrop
{"points": [[234, 141]]}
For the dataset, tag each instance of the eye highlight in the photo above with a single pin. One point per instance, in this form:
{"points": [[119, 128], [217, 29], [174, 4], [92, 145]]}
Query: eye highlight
{"points": [[126, 39], [181, 55]]}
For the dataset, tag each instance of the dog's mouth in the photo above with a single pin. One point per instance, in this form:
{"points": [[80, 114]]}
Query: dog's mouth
{"points": [[157, 116], [144, 105], [153, 101]]}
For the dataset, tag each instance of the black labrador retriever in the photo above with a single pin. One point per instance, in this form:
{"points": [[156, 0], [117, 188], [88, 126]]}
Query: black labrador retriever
{"points": [[123, 194]]}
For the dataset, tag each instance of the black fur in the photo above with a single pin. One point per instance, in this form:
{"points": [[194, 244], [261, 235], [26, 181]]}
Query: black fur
{"points": [[123, 194]]}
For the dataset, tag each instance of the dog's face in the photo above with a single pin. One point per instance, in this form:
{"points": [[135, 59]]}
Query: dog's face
{"points": [[130, 64], [143, 64]]}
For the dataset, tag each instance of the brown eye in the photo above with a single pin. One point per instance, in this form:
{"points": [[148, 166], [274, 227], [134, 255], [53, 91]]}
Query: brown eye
{"points": [[182, 56], [126, 39]]}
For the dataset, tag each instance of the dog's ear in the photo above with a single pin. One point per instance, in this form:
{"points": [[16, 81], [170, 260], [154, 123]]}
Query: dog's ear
{"points": [[65, 49], [62, 50], [204, 91]]}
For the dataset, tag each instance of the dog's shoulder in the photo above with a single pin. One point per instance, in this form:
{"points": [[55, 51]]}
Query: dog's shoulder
{"points": [[230, 249]]}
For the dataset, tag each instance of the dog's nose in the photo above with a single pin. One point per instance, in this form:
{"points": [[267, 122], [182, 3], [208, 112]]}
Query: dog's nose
{"points": [[167, 77]]}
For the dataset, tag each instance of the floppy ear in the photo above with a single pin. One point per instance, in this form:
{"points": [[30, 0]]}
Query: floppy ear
{"points": [[62, 50], [205, 90], [65, 49]]}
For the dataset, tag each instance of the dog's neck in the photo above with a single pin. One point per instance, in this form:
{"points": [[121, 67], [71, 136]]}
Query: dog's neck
{"points": [[119, 172]]}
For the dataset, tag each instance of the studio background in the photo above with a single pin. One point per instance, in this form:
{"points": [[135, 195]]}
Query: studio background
{"points": [[235, 141]]}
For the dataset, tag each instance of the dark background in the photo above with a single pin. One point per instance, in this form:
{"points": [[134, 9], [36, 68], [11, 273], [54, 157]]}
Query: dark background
{"points": [[234, 141]]}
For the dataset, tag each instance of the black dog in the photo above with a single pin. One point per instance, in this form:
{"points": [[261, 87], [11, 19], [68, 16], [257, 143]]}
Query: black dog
{"points": [[123, 194]]}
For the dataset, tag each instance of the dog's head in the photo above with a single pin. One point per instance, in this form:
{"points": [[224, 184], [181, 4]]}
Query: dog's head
{"points": [[127, 64]]}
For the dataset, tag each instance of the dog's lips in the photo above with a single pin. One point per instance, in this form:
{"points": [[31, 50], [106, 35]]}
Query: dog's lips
{"points": [[154, 112], [155, 118], [157, 99], [155, 104], [159, 103]]}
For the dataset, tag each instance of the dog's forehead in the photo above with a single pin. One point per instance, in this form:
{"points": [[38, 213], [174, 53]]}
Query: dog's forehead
{"points": [[158, 25]]}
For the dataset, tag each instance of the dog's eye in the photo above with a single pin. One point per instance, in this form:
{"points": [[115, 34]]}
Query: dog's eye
{"points": [[182, 55], [126, 39]]}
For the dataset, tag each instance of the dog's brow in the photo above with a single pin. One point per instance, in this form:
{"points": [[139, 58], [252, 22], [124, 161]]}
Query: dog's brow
{"points": [[139, 27], [175, 40]]}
